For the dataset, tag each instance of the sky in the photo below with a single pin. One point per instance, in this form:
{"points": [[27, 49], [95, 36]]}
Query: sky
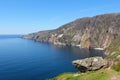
{"points": [[27, 16]]}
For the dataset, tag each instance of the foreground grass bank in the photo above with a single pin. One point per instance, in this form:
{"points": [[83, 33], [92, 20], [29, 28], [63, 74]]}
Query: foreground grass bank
{"points": [[103, 74]]}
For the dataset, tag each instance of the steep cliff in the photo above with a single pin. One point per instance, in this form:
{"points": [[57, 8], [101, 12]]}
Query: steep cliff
{"points": [[102, 31]]}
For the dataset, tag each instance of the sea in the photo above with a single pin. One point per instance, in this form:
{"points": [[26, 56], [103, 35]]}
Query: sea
{"points": [[22, 59]]}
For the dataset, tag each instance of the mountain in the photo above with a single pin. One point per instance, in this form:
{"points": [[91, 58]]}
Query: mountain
{"points": [[101, 31]]}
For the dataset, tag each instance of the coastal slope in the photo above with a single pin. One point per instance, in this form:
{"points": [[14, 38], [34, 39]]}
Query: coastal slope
{"points": [[98, 32], [101, 31]]}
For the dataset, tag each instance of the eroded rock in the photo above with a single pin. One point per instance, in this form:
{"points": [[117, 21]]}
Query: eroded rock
{"points": [[87, 64]]}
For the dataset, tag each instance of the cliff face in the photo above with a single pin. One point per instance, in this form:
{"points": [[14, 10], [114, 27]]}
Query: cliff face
{"points": [[101, 31]]}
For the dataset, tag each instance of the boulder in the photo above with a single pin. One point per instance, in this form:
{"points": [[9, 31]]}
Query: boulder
{"points": [[89, 64]]}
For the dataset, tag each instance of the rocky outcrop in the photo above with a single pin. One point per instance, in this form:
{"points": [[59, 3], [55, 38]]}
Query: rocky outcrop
{"points": [[93, 63]]}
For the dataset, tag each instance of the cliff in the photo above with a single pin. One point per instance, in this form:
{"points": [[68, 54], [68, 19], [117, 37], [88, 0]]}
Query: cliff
{"points": [[102, 31]]}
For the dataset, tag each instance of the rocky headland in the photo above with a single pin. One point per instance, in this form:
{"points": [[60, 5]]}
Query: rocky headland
{"points": [[99, 32]]}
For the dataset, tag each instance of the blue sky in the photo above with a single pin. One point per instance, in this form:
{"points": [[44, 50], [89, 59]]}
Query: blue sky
{"points": [[26, 16]]}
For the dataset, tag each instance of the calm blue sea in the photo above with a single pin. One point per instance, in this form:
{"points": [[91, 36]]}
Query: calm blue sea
{"points": [[22, 59]]}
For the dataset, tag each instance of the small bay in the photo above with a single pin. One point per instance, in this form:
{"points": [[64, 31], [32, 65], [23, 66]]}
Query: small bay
{"points": [[22, 59]]}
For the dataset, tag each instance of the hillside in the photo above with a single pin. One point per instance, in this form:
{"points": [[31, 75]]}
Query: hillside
{"points": [[102, 31], [91, 75]]}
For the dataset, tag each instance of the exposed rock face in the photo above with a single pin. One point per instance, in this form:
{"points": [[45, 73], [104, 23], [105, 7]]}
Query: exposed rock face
{"points": [[93, 63]]}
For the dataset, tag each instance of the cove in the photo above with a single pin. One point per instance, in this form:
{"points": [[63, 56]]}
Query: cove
{"points": [[22, 59]]}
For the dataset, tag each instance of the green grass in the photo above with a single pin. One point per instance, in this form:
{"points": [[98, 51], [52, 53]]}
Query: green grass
{"points": [[116, 68], [63, 76], [90, 75]]}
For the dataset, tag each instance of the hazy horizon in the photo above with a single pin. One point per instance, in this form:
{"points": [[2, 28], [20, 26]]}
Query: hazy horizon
{"points": [[28, 16]]}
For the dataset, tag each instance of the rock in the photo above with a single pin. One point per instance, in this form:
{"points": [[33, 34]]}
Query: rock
{"points": [[118, 56], [88, 64]]}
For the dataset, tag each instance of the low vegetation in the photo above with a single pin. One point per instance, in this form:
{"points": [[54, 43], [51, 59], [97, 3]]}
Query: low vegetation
{"points": [[103, 74]]}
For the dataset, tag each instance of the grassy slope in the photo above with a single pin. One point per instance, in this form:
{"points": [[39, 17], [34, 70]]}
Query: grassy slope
{"points": [[114, 48], [103, 74]]}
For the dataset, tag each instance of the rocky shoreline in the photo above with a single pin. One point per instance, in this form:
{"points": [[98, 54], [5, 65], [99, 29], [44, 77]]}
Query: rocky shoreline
{"points": [[101, 32]]}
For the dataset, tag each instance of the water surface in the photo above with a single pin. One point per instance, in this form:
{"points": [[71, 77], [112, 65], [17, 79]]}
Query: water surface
{"points": [[22, 59]]}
